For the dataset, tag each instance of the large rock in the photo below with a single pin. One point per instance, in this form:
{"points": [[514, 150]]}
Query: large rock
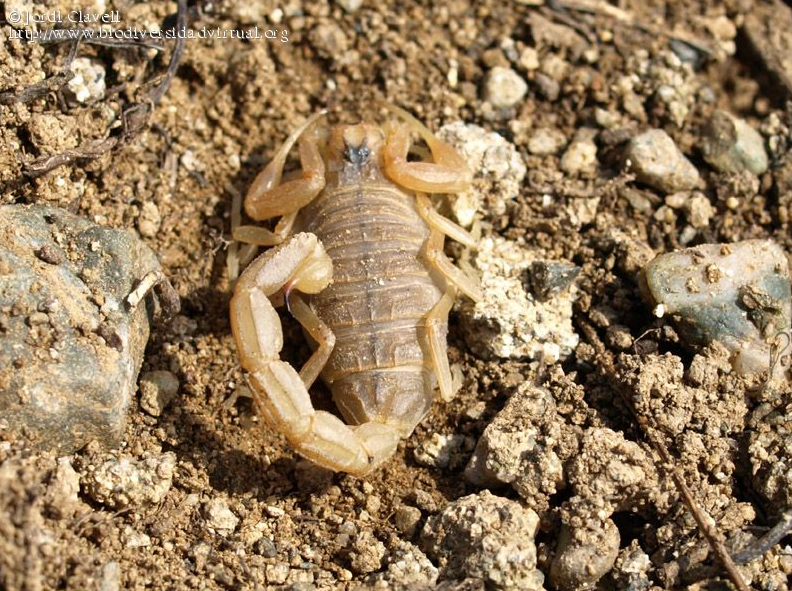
{"points": [[736, 294], [70, 344]]}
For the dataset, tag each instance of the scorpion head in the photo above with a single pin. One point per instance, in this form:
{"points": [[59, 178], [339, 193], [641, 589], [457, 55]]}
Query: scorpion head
{"points": [[354, 148]]}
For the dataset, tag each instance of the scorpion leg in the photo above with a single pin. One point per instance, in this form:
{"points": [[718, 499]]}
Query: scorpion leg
{"points": [[433, 218], [447, 174], [279, 391], [268, 198], [437, 342], [433, 251], [319, 332]]}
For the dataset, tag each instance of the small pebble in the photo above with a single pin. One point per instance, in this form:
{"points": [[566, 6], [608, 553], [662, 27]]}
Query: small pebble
{"points": [[699, 210], [157, 389], [88, 83], [149, 220], [486, 537], [350, 6], [266, 548], [581, 156], [219, 517], [547, 86], [504, 88], [731, 145], [529, 59], [406, 519], [442, 451], [548, 278], [407, 568], [50, 254], [277, 573], [367, 553], [62, 492], [546, 141], [656, 161]]}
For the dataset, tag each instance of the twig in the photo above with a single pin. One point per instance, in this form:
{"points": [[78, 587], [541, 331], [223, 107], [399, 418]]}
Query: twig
{"points": [[134, 117], [37, 90], [169, 297], [56, 36], [628, 18], [779, 531], [704, 521]]}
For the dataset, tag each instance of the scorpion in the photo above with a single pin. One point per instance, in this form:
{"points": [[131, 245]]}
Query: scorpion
{"points": [[358, 259]]}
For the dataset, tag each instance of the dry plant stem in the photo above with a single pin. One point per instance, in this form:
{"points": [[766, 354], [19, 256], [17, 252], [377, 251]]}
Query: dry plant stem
{"points": [[65, 36], [779, 531], [627, 18], [37, 90], [169, 297], [705, 522], [51, 84], [134, 116]]}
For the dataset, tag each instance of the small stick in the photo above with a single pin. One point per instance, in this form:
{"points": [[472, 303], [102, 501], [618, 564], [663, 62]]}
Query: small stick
{"points": [[704, 521], [169, 298], [134, 116], [779, 531]]}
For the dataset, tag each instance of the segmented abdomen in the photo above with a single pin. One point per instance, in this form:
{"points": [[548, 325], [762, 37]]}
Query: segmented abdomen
{"points": [[376, 305]]}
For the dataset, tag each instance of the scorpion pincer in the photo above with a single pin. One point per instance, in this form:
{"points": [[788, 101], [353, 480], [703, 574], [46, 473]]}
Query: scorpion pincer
{"points": [[358, 254]]}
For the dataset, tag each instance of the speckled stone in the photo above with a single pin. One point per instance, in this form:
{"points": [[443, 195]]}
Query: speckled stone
{"points": [[70, 346]]}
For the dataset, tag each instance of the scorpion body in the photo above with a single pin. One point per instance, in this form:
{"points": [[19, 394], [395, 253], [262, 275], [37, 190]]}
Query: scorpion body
{"points": [[374, 288]]}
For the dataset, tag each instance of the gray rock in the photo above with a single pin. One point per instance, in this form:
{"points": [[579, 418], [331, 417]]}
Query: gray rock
{"points": [[548, 278], [736, 294], [406, 519], [731, 145], [656, 161], [487, 537], [70, 346]]}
